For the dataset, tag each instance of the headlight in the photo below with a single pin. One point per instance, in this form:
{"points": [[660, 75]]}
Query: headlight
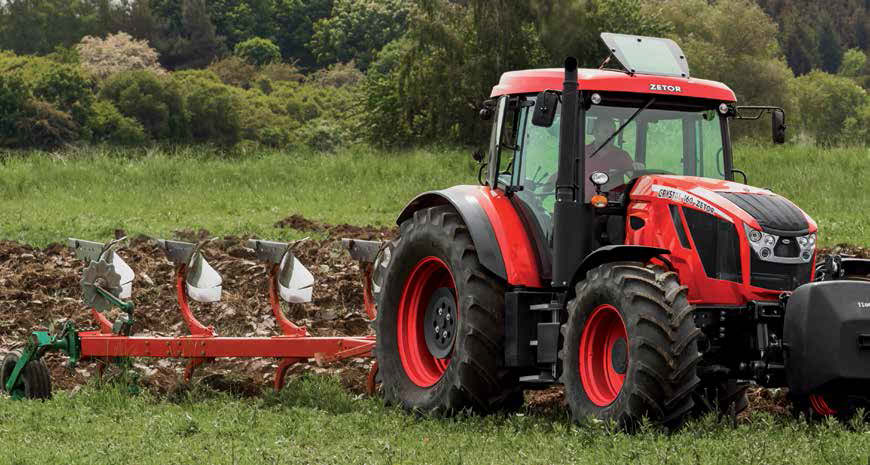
{"points": [[754, 235], [598, 178]]}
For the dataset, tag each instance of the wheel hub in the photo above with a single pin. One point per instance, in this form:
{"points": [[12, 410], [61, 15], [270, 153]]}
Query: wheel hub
{"points": [[439, 324], [619, 356]]}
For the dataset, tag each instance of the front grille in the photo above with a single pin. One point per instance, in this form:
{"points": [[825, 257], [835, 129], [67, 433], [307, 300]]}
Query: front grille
{"points": [[717, 243], [778, 276]]}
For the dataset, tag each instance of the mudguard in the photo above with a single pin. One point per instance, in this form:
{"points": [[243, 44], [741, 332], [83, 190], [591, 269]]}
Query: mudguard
{"points": [[617, 253], [499, 235], [826, 335]]}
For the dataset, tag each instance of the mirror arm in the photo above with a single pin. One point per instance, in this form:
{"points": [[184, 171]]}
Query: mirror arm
{"points": [[760, 109], [741, 172]]}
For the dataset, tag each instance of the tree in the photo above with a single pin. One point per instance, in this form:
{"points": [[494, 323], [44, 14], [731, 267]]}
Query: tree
{"points": [[827, 103], [258, 51], [38, 26], [854, 63], [192, 44], [357, 30], [117, 52], [734, 42], [294, 27], [829, 47]]}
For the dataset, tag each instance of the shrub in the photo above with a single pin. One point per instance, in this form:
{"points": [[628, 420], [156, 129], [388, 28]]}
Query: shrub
{"points": [[281, 72], [337, 75], [107, 124], [213, 109], [44, 126], [68, 89], [13, 98], [156, 102], [116, 53], [234, 71], [258, 51], [826, 103]]}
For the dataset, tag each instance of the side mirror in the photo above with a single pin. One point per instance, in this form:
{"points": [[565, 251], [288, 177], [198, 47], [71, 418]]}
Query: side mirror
{"points": [[777, 124], [545, 109], [478, 155]]}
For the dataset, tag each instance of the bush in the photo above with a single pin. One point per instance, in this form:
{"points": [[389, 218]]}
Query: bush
{"points": [[116, 53], [337, 75], [826, 103], [68, 89], [155, 102], [42, 125], [107, 124], [281, 72], [258, 51], [13, 98], [234, 71], [213, 109]]}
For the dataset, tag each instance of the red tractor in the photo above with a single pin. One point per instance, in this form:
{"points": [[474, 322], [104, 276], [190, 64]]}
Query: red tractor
{"points": [[608, 248]]}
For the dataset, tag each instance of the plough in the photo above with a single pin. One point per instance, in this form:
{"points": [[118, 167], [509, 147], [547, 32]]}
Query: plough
{"points": [[107, 284]]}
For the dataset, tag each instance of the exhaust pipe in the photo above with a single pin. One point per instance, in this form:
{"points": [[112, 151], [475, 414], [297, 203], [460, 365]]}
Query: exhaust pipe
{"points": [[570, 217]]}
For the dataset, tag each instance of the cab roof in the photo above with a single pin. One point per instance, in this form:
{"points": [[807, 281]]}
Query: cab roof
{"points": [[538, 80]]}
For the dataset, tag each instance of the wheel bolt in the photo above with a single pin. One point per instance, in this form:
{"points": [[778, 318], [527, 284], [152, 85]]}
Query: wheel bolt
{"points": [[444, 334], [448, 317], [440, 310], [437, 330]]}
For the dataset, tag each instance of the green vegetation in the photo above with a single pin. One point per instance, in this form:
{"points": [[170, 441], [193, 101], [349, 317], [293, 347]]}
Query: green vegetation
{"points": [[313, 420], [90, 193], [391, 73]]}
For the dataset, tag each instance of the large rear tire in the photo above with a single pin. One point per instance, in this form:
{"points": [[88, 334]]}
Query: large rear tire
{"points": [[429, 279], [630, 347]]}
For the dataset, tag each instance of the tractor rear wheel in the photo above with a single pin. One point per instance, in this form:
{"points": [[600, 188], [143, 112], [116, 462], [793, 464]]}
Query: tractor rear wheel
{"points": [[630, 347], [440, 325], [35, 379]]}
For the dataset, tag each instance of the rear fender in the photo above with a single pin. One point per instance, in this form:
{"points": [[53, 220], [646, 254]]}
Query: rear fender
{"points": [[499, 235]]}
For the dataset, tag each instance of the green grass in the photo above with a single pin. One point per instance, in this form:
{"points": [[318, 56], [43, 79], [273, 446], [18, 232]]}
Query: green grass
{"points": [[831, 185], [45, 198], [89, 193], [314, 421]]}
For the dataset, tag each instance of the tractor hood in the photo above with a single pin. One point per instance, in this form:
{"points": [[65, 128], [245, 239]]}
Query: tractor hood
{"points": [[759, 208]]}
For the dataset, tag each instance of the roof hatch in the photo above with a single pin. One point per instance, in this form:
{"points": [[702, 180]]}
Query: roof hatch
{"points": [[647, 55]]}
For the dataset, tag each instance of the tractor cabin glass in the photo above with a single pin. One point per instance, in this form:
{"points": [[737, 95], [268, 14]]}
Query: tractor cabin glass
{"points": [[658, 140]]}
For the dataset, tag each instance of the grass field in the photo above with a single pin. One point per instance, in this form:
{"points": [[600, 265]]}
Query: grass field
{"points": [[45, 198], [314, 421]]}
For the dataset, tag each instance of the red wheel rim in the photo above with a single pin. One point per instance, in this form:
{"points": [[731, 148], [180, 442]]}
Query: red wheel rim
{"points": [[820, 406], [604, 328], [428, 275]]}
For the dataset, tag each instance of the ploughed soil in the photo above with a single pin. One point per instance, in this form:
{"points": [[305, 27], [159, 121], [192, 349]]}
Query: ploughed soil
{"points": [[39, 289]]}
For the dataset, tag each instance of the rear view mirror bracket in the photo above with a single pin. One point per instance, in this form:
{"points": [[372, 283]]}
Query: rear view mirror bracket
{"points": [[777, 115]]}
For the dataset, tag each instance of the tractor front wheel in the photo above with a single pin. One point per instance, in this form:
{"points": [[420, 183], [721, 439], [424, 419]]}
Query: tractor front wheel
{"points": [[34, 381], [630, 347], [439, 320]]}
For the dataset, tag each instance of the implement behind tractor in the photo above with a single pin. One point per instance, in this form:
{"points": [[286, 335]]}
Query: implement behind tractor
{"points": [[607, 248], [106, 284]]}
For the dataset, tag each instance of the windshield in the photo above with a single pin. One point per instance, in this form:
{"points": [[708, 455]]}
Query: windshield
{"points": [[656, 141]]}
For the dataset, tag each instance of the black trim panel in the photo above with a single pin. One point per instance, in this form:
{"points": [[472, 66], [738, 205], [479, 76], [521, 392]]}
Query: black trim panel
{"points": [[617, 253]]}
